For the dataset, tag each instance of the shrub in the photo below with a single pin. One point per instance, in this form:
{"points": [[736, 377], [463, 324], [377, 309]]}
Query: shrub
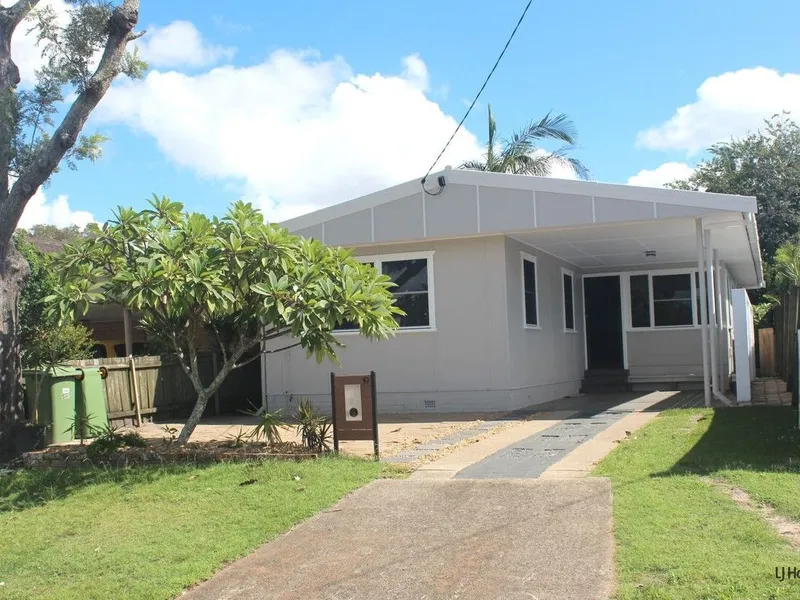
{"points": [[268, 427], [314, 427], [108, 440]]}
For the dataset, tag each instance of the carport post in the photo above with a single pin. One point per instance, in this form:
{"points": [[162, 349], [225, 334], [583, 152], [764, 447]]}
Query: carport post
{"points": [[703, 312], [712, 317]]}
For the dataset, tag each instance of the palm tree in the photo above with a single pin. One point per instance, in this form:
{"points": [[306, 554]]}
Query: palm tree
{"points": [[520, 154]]}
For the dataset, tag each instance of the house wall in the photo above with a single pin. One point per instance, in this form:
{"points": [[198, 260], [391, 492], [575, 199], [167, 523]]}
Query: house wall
{"points": [[665, 352], [462, 366], [544, 363]]}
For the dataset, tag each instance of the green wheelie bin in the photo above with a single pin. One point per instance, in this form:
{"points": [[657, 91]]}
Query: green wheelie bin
{"points": [[91, 404], [57, 401]]}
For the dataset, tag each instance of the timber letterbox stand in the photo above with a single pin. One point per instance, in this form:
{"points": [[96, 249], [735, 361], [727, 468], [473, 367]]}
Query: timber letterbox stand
{"points": [[354, 408]]}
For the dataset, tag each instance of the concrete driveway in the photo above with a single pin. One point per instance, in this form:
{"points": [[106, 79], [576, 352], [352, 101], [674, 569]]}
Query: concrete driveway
{"points": [[430, 540]]}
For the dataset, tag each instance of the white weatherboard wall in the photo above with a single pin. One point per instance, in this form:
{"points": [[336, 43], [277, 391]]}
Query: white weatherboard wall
{"points": [[544, 363], [462, 366]]}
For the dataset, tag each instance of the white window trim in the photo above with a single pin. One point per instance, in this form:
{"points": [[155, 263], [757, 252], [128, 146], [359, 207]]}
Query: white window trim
{"points": [[650, 274], [564, 301], [376, 260], [530, 258]]}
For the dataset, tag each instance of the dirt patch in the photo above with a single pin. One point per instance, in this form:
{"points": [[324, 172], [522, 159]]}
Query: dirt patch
{"points": [[787, 528], [437, 454]]}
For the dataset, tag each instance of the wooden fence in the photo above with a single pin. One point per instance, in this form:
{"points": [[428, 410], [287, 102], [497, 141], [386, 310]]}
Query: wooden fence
{"points": [[164, 390], [787, 319], [766, 352]]}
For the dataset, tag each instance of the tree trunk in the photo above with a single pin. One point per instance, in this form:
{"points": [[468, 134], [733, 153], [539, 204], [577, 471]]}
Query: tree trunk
{"points": [[13, 275], [194, 418]]}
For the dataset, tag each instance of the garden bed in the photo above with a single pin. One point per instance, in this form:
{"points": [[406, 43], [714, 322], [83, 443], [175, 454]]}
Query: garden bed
{"points": [[164, 453]]}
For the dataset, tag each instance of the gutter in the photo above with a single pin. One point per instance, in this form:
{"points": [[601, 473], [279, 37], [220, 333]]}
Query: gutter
{"points": [[751, 228]]}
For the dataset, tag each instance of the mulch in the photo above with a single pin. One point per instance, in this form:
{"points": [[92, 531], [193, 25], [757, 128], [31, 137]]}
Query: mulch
{"points": [[160, 452]]}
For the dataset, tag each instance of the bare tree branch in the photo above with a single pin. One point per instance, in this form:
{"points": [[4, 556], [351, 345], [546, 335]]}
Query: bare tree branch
{"points": [[45, 161]]}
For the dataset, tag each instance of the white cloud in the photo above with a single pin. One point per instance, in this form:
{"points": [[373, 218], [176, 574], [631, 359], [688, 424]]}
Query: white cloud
{"points": [[661, 175], [728, 105], [415, 71], [180, 44], [297, 132], [56, 212]]}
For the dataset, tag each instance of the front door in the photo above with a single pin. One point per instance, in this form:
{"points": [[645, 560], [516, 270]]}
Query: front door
{"points": [[602, 303]]}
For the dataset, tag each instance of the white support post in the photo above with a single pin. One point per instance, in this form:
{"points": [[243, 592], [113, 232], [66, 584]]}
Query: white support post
{"points": [[703, 313], [713, 338], [713, 321]]}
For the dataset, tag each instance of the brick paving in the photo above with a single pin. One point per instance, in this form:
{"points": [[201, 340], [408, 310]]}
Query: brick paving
{"points": [[771, 391]]}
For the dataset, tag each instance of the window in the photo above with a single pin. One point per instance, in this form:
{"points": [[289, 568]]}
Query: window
{"points": [[662, 300], [569, 300], [529, 291], [672, 300], [411, 293], [640, 300], [413, 278]]}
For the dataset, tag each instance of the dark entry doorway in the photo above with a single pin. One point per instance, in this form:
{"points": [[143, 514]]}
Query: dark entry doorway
{"points": [[603, 308]]}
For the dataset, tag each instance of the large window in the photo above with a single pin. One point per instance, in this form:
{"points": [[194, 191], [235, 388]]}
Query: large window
{"points": [[662, 300], [413, 278], [529, 291], [411, 294], [569, 299], [672, 300]]}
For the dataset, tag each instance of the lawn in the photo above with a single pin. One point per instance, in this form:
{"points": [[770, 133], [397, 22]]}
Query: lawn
{"points": [[678, 534], [150, 532]]}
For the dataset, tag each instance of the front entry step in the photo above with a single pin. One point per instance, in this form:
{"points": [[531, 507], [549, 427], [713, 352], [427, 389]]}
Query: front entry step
{"points": [[605, 381]]}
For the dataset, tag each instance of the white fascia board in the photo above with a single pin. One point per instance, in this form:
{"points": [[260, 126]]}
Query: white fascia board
{"points": [[726, 202], [605, 190], [409, 188]]}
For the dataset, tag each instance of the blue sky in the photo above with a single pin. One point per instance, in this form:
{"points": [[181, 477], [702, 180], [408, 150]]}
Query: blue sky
{"points": [[295, 106]]}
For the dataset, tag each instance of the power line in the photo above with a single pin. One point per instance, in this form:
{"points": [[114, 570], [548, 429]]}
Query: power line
{"points": [[480, 91]]}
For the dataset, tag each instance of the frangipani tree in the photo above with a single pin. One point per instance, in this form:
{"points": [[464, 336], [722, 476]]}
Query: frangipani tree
{"points": [[242, 280]]}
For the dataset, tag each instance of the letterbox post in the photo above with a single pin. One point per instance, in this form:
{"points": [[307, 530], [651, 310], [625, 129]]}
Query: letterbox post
{"points": [[333, 413], [374, 413]]}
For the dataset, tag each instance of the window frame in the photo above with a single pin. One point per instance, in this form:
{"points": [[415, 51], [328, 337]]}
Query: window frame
{"points": [[377, 261], [532, 259], [571, 275], [692, 273]]}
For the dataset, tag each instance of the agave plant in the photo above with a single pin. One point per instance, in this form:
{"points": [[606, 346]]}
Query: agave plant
{"points": [[314, 427], [268, 427]]}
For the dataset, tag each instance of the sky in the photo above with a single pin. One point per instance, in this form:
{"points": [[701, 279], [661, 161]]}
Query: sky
{"points": [[299, 105]]}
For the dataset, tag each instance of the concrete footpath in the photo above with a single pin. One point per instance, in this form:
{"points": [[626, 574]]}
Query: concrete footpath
{"points": [[432, 540], [557, 444]]}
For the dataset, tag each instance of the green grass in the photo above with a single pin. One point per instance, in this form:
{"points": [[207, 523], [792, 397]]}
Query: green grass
{"points": [[677, 535], [150, 532]]}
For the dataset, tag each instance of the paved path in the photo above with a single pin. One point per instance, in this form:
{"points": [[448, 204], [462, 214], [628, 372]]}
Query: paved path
{"points": [[533, 455], [432, 540]]}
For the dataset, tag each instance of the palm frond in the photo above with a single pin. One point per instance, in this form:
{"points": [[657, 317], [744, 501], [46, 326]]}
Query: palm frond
{"points": [[538, 165], [559, 127], [561, 157], [490, 153], [473, 165]]}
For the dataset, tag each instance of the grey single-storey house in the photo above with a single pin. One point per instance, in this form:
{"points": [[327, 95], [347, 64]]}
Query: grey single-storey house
{"points": [[520, 290]]}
